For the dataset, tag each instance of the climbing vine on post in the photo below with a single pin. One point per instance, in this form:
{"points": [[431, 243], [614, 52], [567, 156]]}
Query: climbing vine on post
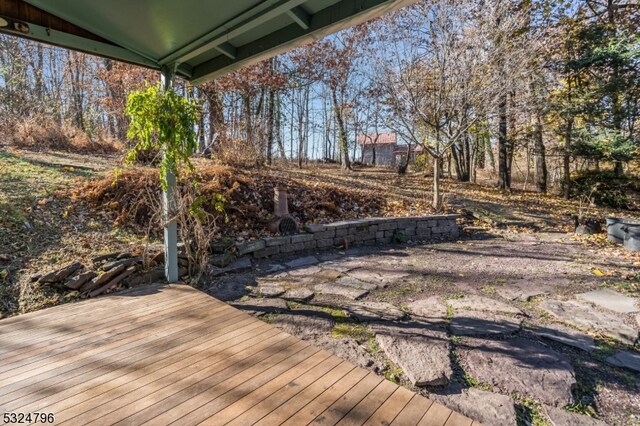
{"points": [[165, 121]]}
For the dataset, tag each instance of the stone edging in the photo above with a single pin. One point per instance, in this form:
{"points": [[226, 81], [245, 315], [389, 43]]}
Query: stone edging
{"points": [[367, 232]]}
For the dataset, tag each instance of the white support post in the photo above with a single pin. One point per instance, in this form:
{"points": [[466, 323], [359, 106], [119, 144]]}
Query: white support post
{"points": [[169, 206]]}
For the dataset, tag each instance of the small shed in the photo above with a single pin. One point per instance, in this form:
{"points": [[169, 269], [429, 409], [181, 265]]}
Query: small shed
{"points": [[383, 149], [379, 148]]}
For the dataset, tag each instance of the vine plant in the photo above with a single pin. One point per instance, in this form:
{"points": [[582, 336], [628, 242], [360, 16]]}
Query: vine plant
{"points": [[165, 121]]}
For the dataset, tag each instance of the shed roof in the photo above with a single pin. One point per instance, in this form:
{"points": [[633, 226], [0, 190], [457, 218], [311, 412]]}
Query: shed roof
{"points": [[378, 139], [200, 39]]}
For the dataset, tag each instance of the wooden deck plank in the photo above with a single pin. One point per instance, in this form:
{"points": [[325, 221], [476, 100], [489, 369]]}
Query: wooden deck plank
{"points": [[268, 381], [77, 358], [14, 324], [152, 400], [167, 351], [62, 336], [309, 412], [93, 307], [301, 399], [251, 399], [391, 408], [104, 331], [282, 396], [126, 392], [457, 419], [437, 415], [208, 390], [367, 406], [343, 406], [171, 354], [412, 412]]}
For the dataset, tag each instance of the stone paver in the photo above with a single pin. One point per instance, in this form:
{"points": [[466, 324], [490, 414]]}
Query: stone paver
{"points": [[301, 294], [241, 264], [475, 323], [355, 283], [276, 267], [303, 272], [522, 366], [481, 303], [565, 335], [486, 407], [561, 417], [270, 290], [373, 311], [611, 300], [430, 309], [328, 275], [231, 288], [340, 290], [583, 315], [625, 359], [422, 353], [302, 261], [523, 290], [303, 324], [380, 278]]}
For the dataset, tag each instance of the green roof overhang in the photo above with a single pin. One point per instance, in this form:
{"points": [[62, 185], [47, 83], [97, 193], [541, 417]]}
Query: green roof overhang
{"points": [[199, 39]]}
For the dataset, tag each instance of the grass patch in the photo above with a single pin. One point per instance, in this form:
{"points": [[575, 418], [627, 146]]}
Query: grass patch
{"points": [[488, 289], [450, 312], [453, 296], [373, 347], [580, 408], [269, 317], [631, 288], [393, 373], [473, 383], [529, 412], [357, 332], [23, 183], [338, 315]]}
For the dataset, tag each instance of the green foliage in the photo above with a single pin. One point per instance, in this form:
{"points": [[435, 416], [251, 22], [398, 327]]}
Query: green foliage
{"points": [[422, 162], [529, 412], [606, 145], [162, 120], [357, 332], [604, 187], [217, 202], [581, 408], [393, 373]]}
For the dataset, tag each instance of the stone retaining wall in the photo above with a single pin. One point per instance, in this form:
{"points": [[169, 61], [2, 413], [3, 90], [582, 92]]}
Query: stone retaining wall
{"points": [[372, 231]]}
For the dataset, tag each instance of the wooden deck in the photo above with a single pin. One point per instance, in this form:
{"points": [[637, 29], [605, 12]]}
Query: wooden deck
{"points": [[171, 354]]}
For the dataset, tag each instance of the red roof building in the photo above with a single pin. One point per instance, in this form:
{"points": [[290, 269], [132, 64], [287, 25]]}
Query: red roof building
{"points": [[378, 139]]}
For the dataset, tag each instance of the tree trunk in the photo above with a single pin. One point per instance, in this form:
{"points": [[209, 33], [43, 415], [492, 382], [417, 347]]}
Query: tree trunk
{"points": [[504, 178], [540, 158], [342, 132], [566, 160], [270, 126], [437, 202]]}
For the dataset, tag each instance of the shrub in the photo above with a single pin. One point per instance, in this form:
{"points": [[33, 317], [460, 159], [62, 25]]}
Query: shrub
{"points": [[604, 187], [422, 162], [44, 133]]}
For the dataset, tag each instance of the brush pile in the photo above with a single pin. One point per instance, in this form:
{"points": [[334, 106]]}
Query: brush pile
{"points": [[131, 198]]}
